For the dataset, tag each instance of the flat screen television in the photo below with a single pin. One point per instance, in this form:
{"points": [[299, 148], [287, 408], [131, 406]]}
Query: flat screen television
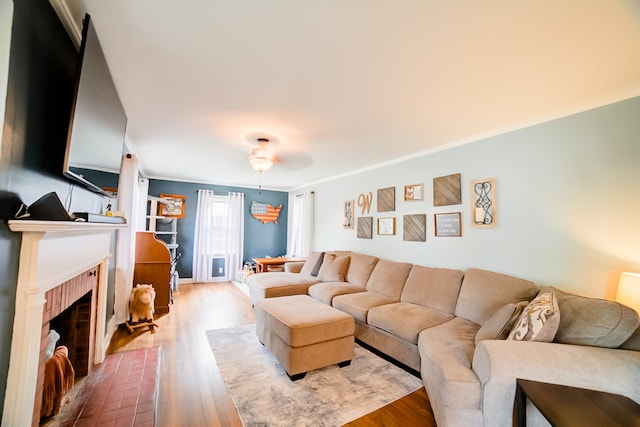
{"points": [[95, 140]]}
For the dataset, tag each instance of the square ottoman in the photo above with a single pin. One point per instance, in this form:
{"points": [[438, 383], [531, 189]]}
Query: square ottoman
{"points": [[304, 334]]}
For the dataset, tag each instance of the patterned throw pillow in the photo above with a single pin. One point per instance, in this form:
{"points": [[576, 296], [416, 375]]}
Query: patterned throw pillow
{"points": [[539, 320]]}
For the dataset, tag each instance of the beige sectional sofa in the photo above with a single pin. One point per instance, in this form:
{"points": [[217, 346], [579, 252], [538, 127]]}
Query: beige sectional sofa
{"points": [[450, 326]]}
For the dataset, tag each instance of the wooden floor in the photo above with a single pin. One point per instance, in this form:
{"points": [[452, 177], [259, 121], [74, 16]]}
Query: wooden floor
{"points": [[192, 391]]}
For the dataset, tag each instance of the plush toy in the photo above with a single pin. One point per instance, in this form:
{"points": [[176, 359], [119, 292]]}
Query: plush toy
{"points": [[141, 303]]}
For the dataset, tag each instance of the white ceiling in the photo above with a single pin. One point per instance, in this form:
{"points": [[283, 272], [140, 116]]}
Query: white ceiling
{"points": [[346, 85]]}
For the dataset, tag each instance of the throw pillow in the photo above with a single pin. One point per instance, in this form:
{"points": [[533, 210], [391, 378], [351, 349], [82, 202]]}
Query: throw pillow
{"points": [[316, 268], [333, 268], [310, 263], [539, 320], [501, 323]]}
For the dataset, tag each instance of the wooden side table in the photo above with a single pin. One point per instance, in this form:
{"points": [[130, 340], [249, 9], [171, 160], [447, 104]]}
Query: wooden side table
{"points": [[263, 264], [571, 406]]}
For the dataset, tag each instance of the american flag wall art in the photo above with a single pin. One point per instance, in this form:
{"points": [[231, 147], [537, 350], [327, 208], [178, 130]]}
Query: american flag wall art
{"points": [[265, 212]]}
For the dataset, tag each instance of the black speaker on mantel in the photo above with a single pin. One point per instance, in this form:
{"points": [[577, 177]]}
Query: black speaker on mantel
{"points": [[48, 208]]}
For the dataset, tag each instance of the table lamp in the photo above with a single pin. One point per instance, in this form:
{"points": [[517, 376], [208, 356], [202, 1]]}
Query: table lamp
{"points": [[629, 290]]}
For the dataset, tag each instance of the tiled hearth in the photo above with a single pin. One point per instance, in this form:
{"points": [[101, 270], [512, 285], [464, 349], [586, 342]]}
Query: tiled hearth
{"points": [[122, 392]]}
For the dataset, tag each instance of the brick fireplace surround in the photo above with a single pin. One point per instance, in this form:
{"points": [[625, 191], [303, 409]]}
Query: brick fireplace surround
{"points": [[53, 253]]}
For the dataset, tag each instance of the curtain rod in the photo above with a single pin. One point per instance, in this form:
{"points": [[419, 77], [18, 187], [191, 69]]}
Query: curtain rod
{"points": [[214, 192], [303, 194]]}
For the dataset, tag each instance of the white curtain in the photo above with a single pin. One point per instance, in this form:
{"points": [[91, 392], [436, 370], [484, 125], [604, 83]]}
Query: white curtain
{"points": [[235, 235], [204, 237], [300, 229]]}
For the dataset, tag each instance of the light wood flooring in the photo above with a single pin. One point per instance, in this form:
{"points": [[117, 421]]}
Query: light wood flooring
{"points": [[191, 390]]}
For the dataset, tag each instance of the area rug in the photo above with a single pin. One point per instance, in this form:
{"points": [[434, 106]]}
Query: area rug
{"points": [[332, 396]]}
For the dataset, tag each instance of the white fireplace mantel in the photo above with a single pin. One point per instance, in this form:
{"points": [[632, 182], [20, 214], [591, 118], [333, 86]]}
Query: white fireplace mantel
{"points": [[51, 253]]}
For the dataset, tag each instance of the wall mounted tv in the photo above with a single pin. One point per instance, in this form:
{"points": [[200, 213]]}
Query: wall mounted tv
{"points": [[95, 141]]}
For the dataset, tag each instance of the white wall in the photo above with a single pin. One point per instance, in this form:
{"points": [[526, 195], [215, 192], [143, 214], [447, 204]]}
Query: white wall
{"points": [[568, 203]]}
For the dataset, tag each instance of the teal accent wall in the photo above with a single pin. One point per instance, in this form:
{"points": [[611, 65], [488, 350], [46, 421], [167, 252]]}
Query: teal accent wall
{"points": [[260, 240]]}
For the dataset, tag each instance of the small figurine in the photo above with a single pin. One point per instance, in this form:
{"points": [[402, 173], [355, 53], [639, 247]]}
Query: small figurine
{"points": [[141, 306]]}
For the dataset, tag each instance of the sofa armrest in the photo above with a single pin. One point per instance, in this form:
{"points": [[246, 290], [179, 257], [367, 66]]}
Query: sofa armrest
{"points": [[293, 266], [499, 363]]}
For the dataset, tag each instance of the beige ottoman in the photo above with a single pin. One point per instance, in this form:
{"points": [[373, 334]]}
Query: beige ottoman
{"points": [[304, 334]]}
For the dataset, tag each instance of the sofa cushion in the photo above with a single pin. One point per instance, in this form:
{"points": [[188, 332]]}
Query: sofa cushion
{"points": [[360, 268], [501, 323], [405, 320], [333, 268], [446, 352], [437, 288], [388, 278], [278, 284], [325, 291], [484, 292], [293, 266], [593, 321], [358, 304], [538, 321], [312, 264]]}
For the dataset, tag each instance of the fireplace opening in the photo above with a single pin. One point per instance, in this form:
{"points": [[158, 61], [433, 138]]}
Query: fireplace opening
{"points": [[69, 311], [74, 326], [67, 355]]}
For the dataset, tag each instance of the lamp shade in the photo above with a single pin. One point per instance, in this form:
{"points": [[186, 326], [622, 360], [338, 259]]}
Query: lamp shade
{"points": [[629, 290], [262, 158], [260, 164]]}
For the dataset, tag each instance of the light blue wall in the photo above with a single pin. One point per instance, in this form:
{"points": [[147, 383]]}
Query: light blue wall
{"points": [[568, 201]]}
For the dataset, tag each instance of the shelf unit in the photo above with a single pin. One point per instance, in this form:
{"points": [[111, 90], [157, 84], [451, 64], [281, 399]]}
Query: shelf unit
{"points": [[166, 229]]}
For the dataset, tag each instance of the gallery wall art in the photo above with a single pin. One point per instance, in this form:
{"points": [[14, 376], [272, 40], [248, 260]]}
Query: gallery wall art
{"points": [[347, 214], [448, 224], [414, 228], [364, 202], [387, 199], [483, 203], [447, 190], [365, 227], [387, 226], [413, 192]]}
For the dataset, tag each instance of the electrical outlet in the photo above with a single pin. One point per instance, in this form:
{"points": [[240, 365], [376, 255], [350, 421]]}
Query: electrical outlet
{"points": [[220, 270]]}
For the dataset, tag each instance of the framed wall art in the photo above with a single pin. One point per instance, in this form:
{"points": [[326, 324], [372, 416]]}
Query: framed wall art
{"points": [[413, 192], [387, 199], [387, 226], [448, 224], [172, 205], [414, 228], [347, 214], [483, 203], [447, 191], [365, 227]]}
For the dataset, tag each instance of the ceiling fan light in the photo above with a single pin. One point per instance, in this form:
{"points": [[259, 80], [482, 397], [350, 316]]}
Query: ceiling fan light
{"points": [[260, 162]]}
